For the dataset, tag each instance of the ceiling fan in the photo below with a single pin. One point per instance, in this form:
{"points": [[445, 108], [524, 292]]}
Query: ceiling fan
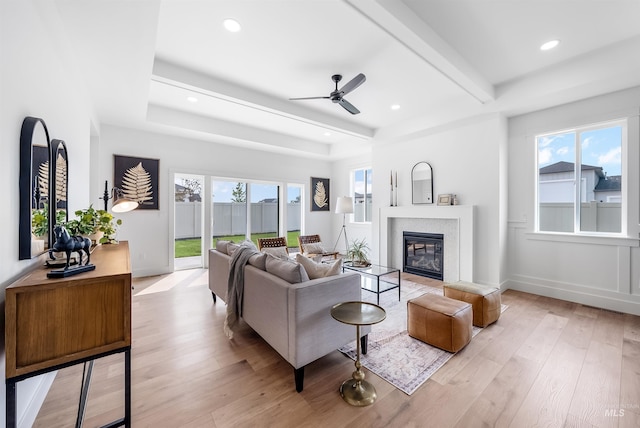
{"points": [[337, 95]]}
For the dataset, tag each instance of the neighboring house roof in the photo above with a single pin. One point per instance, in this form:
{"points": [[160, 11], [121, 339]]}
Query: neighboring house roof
{"points": [[269, 200], [182, 191], [610, 184], [563, 166]]}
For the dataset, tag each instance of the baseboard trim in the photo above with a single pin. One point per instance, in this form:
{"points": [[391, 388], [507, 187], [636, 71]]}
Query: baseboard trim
{"points": [[41, 385], [619, 302]]}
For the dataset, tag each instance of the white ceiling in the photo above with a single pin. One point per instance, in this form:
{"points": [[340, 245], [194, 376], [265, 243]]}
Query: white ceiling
{"points": [[440, 60]]}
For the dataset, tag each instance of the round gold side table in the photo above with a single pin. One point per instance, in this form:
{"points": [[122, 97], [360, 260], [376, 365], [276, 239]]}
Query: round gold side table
{"points": [[357, 391]]}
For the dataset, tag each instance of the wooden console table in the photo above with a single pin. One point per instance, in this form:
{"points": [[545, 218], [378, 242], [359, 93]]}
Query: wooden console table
{"points": [[55, 323]]}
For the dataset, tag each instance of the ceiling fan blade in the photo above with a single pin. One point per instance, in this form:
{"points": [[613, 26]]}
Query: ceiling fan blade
{"points": [[310, 98], [353, 84], [348, 106]]}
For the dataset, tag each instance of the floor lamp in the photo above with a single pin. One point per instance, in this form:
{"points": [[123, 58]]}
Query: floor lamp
{"points": [[344, 206]]}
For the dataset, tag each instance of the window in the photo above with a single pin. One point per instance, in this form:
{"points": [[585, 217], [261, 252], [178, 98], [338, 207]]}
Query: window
{"points": [[294, 213], [362, 195], [580, 179], [251, 210]]}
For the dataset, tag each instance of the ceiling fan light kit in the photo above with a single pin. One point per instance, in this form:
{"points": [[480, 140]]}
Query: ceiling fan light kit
{"points": [[337, 95]]}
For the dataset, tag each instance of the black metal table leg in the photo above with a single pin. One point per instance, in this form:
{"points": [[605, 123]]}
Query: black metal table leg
{"points": [[11, 404]]}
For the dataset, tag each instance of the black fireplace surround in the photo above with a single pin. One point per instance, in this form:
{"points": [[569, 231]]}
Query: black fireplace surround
{"points": [[424, 254]]}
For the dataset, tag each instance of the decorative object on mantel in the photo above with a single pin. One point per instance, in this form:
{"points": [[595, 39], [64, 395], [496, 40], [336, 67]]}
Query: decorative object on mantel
{"points": [[422, 184], [393, 195], [344, 206], [70, 244], [320, 190], [444, 199], [137, 179], [454, 201]]}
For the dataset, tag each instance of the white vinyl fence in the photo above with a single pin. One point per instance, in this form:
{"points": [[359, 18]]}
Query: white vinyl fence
{"points": [[230, 218], [594, 217]]}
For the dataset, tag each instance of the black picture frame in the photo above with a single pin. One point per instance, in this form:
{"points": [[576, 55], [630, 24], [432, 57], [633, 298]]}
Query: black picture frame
{"points": [[138, 179], [320, 194]]}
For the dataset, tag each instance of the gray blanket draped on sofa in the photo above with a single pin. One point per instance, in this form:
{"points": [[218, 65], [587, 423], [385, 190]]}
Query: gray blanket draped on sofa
{"points": [[235, 288]]}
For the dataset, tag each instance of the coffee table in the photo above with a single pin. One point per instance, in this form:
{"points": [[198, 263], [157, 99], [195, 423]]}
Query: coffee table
{"points": [[357, 391], [373, 273]]}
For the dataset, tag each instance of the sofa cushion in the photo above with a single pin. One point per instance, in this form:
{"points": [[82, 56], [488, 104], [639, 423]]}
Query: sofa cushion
{"points": [[221, 246], [231, 248], [313, 248], [318, 270], [288, 270], [259, 260], [278, 252]]}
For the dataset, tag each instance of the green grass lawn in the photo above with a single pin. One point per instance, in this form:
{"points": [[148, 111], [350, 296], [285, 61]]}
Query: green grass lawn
{"points": [[191, 247]]}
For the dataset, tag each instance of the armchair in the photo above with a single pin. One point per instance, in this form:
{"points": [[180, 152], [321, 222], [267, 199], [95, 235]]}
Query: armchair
{"points": [[304, 240]]}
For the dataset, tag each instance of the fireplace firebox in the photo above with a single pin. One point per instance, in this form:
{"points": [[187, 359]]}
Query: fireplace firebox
{"points": [[424, 254]]}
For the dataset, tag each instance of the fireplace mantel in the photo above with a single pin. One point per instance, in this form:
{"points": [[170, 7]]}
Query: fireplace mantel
{"points": [[462, 215]]}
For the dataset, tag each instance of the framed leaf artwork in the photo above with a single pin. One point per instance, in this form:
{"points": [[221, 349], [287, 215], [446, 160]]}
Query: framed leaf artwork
{"points": [[320, 194], [137, 179]]}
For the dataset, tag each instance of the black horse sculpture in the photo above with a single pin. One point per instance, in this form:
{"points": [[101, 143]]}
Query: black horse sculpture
{"points": [[69, 244]]}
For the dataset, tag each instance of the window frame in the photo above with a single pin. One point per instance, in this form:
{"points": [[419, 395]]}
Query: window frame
{"points": [[623, 123], [368, 170], [282, 195]]}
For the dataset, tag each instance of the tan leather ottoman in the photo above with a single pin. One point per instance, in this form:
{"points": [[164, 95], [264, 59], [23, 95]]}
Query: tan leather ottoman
{"points": [[440, 321], [486, 301]]}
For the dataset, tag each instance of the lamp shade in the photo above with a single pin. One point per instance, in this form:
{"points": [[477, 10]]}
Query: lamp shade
{"points": [[123, 205], [344, 205]]}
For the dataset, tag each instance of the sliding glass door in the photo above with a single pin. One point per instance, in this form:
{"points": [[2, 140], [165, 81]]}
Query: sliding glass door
{"points": [[188, 221]]}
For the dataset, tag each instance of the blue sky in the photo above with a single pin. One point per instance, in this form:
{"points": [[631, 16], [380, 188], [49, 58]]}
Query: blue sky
{"points": [[223, 191], [600, 147], [359, 181]]}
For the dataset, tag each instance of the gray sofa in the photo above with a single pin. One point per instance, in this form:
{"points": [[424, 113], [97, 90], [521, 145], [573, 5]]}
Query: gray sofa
{"points": [[294, 319]]}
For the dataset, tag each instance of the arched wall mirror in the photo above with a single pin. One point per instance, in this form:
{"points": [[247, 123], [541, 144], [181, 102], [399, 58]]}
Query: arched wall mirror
{"points": [[60, 166], [35, 211], [422, 183]]}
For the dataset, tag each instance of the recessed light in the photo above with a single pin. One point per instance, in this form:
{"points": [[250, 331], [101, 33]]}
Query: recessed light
{"points": [[231, 25], [327, 134], [395, 107], [192, 99], [549, 45]]}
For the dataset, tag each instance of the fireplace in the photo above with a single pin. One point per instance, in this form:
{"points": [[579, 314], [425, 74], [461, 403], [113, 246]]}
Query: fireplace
{"points": [[424, 254]]}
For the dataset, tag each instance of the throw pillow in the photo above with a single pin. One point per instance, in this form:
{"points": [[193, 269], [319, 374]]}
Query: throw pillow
{"points": [[231, 248], [259, 260], [318, 270], [278, 252], [222, 246], [315, 248], [288, 270]]}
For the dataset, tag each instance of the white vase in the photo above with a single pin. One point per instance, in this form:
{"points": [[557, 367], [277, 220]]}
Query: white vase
{"points": [[96, 237]]}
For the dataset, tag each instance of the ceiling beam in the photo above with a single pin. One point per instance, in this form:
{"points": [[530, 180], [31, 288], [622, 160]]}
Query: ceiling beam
{"points": [[166, 72], [226, 131], [400, 22]]}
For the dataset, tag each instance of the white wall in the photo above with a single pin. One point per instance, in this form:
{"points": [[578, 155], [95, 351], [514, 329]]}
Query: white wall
{"points": [[468, 159], [594, 271], [35, 80], [150, 232]]}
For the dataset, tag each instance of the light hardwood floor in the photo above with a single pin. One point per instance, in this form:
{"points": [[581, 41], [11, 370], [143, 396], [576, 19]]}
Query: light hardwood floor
{"points": [[546, 362]]}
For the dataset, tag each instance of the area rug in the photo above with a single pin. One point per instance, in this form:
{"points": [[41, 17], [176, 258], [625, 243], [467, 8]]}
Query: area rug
{"points": [[401, 360]]}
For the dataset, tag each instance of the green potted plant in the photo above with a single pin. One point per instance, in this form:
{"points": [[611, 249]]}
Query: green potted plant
{"points": [[357, 253], [98, 225]]}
